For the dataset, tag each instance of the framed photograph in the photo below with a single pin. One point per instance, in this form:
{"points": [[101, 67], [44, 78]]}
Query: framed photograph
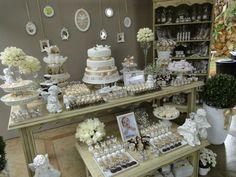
{"points": [[134, 77], [121, 37], [44, 44], [127, 126]]}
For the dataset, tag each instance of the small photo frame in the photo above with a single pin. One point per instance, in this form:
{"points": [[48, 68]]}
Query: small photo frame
{"points": [[134, 77], [127, 126], [44, 44], [121, 37]]}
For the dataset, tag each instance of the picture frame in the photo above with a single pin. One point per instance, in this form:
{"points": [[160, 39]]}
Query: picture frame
{"points": [[121, 37], [128, 126], [44, 44], [31, 28], [134, 77], [65, 34]]}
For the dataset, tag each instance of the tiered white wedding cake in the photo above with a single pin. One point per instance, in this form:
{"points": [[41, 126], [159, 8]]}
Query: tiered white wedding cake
{"points": [[101, 67]]}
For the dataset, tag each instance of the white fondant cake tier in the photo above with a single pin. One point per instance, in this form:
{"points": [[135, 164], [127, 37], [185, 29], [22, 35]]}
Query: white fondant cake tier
{"points": [[99, 51], [58, 77], [96, 79], [100, 65]]}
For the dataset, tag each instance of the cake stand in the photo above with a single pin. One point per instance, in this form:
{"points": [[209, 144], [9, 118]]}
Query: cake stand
{"points": [[166, 121], [19, 94]]}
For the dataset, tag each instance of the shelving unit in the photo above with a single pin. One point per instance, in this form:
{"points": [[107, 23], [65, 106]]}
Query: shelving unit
{"points": [[176, 16]]}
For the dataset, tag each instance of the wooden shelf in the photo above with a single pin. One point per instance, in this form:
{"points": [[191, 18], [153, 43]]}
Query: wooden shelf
{"points": [[193, 40], [190, 58], [184, 23]]}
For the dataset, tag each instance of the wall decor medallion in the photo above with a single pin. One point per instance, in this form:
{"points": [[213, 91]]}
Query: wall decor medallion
{"points": [[103, 35], [82, 20], [109, 12], [48, 11], [121, 37], [30, 28], [127, 22], [65, 34]]}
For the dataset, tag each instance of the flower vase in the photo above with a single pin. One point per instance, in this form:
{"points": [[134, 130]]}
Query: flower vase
{"points": [[16, 72], [204, 171], [145, 46]]}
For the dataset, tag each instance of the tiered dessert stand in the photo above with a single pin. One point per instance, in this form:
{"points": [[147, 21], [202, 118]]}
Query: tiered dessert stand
{"points": [[19, 94]]}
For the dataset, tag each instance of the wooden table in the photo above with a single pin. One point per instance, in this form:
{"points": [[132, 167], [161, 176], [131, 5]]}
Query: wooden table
{"points": [[152, 164], [26, 127]]}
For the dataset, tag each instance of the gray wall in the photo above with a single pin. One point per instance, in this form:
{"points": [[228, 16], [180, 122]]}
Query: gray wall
{"points": [[12, 33]]}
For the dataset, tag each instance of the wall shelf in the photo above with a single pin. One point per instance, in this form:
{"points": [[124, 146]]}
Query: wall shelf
{"points": [[184, 23]]}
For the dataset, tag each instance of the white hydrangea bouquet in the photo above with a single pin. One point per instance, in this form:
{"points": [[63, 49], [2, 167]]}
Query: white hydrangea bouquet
{"points": [[207, 158], [165, 44], [90, 131], [30, 65], [180, 66], [145, 36], [12, 56], [16, 58]]}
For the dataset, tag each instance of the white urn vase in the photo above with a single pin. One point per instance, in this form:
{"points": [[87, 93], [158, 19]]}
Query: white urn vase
{"points": [[216, 133], [204, 171]]}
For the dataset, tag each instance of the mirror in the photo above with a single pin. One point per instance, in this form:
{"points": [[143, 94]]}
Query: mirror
{"points": [[109, 12], [127, 22]]}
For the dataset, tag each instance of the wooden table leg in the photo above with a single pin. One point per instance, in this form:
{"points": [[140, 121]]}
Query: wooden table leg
{"points": [[28, 145], [195, 163], [192, 100]]}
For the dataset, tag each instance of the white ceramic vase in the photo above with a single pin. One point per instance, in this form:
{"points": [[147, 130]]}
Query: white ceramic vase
{"points": [[204, 171], [216, 133]]}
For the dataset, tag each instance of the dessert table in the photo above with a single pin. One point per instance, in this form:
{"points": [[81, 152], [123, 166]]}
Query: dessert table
{"points": [[27, 126], [148, 166]]}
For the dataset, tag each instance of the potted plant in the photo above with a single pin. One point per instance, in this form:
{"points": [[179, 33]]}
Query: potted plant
{"points": [[3, 161], [207, 161], [219, 96]]}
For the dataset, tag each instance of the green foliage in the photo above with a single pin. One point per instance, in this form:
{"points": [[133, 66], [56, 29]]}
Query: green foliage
{"points": [[2, 154], [220, 91]]}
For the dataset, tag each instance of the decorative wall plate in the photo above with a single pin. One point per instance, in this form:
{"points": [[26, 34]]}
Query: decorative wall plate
{"points": [[65, 34], [82, 20], [48, 11], [30, 28], [109, 12], [127, 22], [103, 34]]}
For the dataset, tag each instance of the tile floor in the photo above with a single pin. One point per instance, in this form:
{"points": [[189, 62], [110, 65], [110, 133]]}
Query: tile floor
{"points": [[59, 144]]}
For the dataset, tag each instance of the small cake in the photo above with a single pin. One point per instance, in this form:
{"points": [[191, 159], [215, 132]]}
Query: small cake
{"points": [[55, 69], [101, 67]]}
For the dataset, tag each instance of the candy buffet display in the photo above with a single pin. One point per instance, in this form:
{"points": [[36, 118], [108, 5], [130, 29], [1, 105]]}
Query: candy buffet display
{"points": [[74, 102], [111, 157], [114, 93], [76, 89], [139, 89], [101, 67], [42, 167], [166, 112], [162, 138], [55, 69]]}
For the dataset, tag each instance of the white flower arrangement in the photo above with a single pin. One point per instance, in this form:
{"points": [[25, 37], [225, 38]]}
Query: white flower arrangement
{"points": [[90, 131], [207, 158], [165, 44], [30, 65], [145, 35], [12, 56]]}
